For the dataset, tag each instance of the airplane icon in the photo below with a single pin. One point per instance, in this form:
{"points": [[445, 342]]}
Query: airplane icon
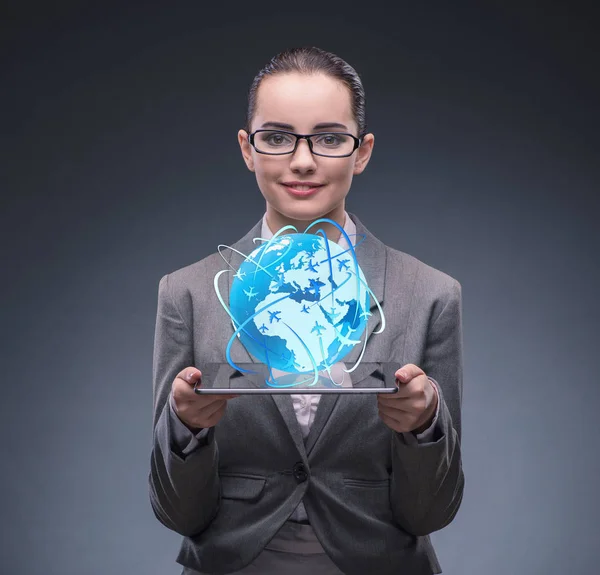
{"points": [[263, 328], [240, 274], [305, 309], [333, 314], [311, 267], [345, 340], [315, 285], [289, 363], [342, 265], [274, 315], [251, 293], [318, 328]]}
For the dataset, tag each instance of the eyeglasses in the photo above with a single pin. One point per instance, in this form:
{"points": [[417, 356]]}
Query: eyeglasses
{"points": [[329, 144]]}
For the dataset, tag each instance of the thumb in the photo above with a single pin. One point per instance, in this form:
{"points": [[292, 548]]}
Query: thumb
{"points": [[190, 375], [408, 372]]}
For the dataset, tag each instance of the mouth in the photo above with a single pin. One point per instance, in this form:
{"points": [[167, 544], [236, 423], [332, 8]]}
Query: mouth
{"points": [[302, 191]]}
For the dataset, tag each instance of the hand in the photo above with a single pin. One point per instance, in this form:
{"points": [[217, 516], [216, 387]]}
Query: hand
{"points": [[413, 407], [196, 411]]}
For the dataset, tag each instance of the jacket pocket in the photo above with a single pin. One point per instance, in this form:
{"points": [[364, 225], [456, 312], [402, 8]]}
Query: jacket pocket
{"points": [[351, 482], [241, 486], [369, 498]]}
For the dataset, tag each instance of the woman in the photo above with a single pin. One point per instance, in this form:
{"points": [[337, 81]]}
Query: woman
{"points": [[322, 484]]}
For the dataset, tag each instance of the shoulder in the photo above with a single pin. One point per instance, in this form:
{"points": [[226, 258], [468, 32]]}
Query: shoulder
{"points": [[191, 283], [405, 270], [427, 280], [201, 274]]}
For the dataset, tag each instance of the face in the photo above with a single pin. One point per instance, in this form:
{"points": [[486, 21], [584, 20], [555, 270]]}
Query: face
{"points": [[302, 102]]}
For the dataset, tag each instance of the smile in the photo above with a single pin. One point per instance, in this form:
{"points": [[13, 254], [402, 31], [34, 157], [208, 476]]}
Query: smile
{"points": [[302, 191]]}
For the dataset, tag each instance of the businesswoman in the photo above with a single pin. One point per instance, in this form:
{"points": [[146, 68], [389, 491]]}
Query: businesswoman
{"points": [[319, 484]]}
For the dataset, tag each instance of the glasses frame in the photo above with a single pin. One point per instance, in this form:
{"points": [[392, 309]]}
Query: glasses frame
{"points": [[307, 137]]}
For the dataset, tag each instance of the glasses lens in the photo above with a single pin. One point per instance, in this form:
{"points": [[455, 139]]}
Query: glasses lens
{"points": [[327, 144], [272, 142], [332, 144]]}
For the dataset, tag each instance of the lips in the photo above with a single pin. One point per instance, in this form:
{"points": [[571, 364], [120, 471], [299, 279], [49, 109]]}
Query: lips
{"points": [[303, 190], [298, 184]]}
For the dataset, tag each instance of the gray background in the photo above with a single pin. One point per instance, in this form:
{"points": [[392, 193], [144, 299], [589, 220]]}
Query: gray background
{"points": [[120, 164]]}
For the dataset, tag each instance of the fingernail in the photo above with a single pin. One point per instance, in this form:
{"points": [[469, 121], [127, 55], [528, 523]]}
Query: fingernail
{"points": [[403, 375], [190, 375]]}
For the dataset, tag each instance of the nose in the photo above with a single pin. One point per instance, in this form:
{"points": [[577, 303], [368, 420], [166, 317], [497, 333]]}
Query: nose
{"points": [[302, 158]]}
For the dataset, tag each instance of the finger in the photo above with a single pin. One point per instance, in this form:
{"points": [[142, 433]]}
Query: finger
{"points": [[411, 405], [214, 419], [392, 413], [183, 393], [395, 420], [408, 372], [208, 411], [405, 390], [190, 375], [199, 416], [405, 405]]}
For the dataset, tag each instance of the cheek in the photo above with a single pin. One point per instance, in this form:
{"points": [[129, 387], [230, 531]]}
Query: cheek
{"points": [[267, 171], [342, 176], [343, 170]]}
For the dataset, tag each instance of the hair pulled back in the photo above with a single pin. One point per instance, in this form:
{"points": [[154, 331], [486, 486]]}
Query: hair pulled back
{"points": [[311, 60]]}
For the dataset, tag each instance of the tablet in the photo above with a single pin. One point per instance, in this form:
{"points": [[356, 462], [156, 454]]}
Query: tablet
{"points": [[251, 378]]}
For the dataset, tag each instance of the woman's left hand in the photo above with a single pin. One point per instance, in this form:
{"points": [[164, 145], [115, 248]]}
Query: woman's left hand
{"points": [[413, 407]]}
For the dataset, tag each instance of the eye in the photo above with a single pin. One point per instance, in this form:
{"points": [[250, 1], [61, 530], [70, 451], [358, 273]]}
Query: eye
{"points": [[277, 138], [332, 139]]}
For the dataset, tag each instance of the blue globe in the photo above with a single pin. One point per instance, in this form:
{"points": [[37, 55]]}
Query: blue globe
{"points": [[302, 301]]}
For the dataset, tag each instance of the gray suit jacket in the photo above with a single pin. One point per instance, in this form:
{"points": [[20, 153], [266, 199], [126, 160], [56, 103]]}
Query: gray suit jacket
{"points": [[371, 496]]}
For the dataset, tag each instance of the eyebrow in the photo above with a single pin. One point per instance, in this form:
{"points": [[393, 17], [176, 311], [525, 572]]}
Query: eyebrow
{"points": [[321, 126]]}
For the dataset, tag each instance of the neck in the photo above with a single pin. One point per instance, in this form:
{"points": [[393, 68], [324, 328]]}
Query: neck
{"points": [[277, 220]]}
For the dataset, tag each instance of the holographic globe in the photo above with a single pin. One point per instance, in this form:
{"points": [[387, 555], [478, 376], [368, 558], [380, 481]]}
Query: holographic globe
{"points": [[301, 303]]}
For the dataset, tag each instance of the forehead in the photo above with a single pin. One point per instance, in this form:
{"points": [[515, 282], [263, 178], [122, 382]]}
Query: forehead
{"points": [[303, 101]]}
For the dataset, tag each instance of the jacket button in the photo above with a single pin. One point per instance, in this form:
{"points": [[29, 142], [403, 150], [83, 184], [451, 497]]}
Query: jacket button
{"points": [[300, 472]]}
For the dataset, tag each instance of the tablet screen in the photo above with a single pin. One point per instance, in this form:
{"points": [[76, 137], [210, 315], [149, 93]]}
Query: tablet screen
{"points": [[249, 378]]}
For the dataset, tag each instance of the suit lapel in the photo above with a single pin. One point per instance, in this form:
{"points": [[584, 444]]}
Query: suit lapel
{"points": [[329, 402], [371, 256], [283, 402], [245, 246]]}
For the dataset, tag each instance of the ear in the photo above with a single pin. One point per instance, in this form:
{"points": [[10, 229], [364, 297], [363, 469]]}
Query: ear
{"points": [[246, 149], [363, 154]]}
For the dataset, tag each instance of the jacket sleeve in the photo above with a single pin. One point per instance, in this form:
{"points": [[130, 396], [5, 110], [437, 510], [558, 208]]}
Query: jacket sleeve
{"points": [[425, 436], [183, 484], [427, 477], [184, 441]]}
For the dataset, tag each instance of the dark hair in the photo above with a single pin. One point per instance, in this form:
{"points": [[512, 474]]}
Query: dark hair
{"points": [[312, 60]]}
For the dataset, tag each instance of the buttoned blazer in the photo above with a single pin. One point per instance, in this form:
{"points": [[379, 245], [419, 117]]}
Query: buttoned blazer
{"points": [[372, 496]]}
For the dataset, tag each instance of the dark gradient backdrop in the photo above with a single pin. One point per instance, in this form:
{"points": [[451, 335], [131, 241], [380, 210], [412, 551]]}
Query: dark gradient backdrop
{"points": [[120, 164]]}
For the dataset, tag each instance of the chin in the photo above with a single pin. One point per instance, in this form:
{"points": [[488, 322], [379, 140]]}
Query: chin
{"points": [[306, 214]]}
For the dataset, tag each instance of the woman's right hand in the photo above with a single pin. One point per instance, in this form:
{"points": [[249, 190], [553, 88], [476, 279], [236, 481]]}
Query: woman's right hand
{"points": [[196, 411]]}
